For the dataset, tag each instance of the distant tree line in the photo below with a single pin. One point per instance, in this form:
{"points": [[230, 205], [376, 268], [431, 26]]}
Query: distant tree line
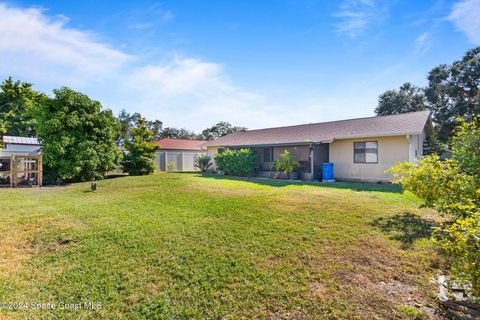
{"points": [[452, 93], [128, 121], [80, 138]]}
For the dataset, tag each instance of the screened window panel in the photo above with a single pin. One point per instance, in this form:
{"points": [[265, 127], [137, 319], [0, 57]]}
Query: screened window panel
{"points": [[4, 164], [267, 155]]}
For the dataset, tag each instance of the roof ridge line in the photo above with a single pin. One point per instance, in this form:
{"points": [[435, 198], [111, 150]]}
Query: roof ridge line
{"points": [[333, 121]]}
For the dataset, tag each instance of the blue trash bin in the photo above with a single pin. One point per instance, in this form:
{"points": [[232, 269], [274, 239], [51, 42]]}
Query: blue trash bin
{"points": [[327, 172]]}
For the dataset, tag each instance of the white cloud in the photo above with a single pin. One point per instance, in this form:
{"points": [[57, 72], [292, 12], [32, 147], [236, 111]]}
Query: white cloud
{"points": [[180, 91], [357, 15], [190, 92], [43, 48], [466, 18], [423, 43]]}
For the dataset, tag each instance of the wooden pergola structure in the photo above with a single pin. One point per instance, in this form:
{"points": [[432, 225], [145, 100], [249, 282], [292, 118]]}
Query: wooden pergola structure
{"points": [[20, 170]]}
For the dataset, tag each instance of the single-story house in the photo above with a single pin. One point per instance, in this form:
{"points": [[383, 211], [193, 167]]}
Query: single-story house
{"points": [[20, 162], [179, 154], [360, 149]]}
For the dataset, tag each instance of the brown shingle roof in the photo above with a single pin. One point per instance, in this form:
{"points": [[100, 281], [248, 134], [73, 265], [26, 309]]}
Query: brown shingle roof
{"points": [[180, 144], [392, 125]]}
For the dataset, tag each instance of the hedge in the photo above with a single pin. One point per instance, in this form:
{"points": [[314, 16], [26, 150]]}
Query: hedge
{"points": [[240, 163]]}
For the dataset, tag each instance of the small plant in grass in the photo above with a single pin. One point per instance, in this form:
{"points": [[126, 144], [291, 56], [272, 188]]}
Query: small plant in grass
{"points": [[286, 163], [203, 162], [411, 312], [171, 166]]}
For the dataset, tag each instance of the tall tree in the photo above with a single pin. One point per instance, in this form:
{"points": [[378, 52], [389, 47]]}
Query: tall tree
{"points": [[219, 130], [408, 98], [17, 103], [175, 133], [454, 91], [128, 121], [78, 137], [141, 151], [156, 127]]}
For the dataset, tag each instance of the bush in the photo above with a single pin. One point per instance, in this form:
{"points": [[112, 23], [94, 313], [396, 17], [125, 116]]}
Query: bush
{"points": [[466, 146], [286, 163], [171, 166], [236, 163], [452, 187], [460, 240], [203, 162], [441, 184]]}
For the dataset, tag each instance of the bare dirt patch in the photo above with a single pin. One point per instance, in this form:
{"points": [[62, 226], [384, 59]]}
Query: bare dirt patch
{"points": [[15, 249]]}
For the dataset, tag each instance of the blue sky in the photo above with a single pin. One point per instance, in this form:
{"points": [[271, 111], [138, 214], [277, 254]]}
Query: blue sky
{"points": [[252, 63]]}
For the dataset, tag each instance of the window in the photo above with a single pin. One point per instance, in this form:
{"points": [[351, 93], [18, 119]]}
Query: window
{"points": [[5, 164], [365, 152], [267, 154]]}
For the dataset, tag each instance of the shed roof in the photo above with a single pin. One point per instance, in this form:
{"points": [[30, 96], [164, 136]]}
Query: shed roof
{"points": [[180, 144], [391, 125], [21, 140]]}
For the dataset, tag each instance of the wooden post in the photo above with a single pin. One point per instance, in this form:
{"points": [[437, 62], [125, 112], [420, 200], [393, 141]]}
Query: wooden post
{"points": [[13, 171], [40, 171]]}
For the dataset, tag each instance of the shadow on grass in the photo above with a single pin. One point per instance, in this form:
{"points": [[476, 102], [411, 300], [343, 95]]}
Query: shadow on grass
{"points": [[356, 186], [405, 227], [116, 176]]}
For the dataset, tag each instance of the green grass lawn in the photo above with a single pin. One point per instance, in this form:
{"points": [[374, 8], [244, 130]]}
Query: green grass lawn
{"points": [[186, 246]]}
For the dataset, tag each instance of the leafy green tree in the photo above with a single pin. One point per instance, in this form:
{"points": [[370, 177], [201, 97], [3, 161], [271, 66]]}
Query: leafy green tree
{"points": [[156, 127], [141, 151], [78, 137], [18, 102], [175, 133], [466, 146], [128, 121], [408, 98], [454, 91], [452, 187], [219, 130]]}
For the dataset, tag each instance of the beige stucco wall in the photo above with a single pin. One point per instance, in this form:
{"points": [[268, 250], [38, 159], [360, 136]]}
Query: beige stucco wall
{"points": [[211, 151], [390, 151]]}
